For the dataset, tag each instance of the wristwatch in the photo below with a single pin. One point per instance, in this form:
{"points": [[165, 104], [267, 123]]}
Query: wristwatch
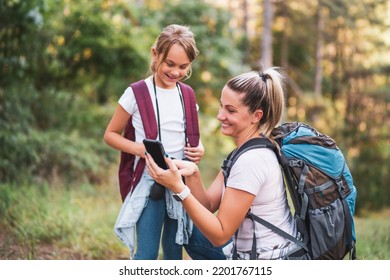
{"points": [[181, 196]]}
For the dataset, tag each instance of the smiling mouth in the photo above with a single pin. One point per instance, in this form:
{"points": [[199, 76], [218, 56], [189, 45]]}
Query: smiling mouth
{"points": [[172, 78]]}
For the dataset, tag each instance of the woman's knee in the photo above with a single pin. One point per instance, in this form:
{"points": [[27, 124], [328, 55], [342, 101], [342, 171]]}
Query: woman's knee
{"points": [[200, 248]]}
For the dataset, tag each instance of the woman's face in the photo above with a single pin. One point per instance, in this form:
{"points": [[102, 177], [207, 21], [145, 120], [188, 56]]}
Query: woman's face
{"points": [[236, 120], [173, 68]]}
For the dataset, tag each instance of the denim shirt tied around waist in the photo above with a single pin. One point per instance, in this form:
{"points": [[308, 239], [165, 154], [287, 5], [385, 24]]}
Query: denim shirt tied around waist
{"points": [[133, 206]]}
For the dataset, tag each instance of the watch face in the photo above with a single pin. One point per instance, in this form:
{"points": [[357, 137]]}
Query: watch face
{"points": [[177, 198]]}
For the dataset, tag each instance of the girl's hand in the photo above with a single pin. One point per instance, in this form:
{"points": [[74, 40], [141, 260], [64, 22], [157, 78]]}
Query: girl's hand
{"points": [[186, 168], [170, 178], [194, 154]]}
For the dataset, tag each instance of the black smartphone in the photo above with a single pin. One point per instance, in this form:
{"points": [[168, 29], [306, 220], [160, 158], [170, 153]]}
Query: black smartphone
{"points": [[156, 149]]}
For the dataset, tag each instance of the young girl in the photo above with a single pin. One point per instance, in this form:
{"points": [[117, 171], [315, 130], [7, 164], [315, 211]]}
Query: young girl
{"points": [[251, 106], [171, 58]]}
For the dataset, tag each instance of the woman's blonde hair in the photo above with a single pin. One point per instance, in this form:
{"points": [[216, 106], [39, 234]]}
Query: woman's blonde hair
{"points": [[175, 34], [264, 91]]}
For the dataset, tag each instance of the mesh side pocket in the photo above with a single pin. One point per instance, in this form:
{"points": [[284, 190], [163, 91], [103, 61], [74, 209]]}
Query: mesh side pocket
{"points": [[326, 228]]}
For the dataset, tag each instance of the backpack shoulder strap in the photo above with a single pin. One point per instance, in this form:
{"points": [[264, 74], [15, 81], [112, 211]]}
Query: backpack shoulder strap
{"points": [[277, 230], [191, 114], [255, 143], [144, 103], [128, 176]]}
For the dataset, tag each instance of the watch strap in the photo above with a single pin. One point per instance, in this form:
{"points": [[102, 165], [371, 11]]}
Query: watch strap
{"points": [[182, 195]]}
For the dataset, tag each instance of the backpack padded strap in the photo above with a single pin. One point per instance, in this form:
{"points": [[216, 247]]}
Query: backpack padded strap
{"points": [[144, 103], [305, 200], [254, 143], [128, 178], [191, 114]]}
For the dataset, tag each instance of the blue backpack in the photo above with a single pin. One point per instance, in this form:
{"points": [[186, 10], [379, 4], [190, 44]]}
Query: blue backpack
{"points": [[320, 186]]}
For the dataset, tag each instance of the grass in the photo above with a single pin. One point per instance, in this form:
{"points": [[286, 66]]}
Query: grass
{"points": [[373, 236], [59, 223], [41, 222]]}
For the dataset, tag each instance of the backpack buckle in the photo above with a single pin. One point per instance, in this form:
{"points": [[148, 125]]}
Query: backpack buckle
{"points": [[296, 163], [341, 188], [226, 164], [225, 168]]}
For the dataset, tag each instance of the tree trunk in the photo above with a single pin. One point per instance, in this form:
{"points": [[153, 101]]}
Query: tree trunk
{"points": [[266, 43], [246, 43], [319, 51], [284, 40]]}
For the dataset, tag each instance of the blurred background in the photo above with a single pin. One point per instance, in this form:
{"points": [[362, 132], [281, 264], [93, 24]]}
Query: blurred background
{"points": [[65, 63]]}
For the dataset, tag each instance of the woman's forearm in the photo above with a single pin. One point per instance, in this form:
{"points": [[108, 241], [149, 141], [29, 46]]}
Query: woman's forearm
{"points": [[194, 182], [206, 221], [220, 228]]}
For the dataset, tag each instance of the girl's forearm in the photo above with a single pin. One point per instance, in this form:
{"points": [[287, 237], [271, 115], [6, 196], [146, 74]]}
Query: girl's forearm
{"points": [[118, 142]]}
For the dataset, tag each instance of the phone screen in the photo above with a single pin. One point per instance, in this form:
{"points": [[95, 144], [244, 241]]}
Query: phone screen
{"points": [[156, 150]]}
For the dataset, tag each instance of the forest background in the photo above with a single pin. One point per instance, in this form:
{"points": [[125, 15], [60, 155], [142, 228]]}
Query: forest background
{"points": [[65, 63]]}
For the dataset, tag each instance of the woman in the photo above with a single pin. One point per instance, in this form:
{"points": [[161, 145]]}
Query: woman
{"points": [[251, 106]]}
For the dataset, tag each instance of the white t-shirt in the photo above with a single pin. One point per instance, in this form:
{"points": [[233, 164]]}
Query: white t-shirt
{"points": [[257, 172], [170, 112]]}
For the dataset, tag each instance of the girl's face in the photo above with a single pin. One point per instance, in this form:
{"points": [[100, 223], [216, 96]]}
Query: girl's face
{"points": [[173, 68], [236, 120]]}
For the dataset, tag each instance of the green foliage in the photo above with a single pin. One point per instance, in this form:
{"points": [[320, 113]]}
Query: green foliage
{"points": [[52, 155], [20, 24], [40, 140], [94, 46], [372, 176]]}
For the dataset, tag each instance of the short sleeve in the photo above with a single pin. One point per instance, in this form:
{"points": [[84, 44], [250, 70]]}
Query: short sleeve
{"points": [[127, 101], [252, 170]]}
